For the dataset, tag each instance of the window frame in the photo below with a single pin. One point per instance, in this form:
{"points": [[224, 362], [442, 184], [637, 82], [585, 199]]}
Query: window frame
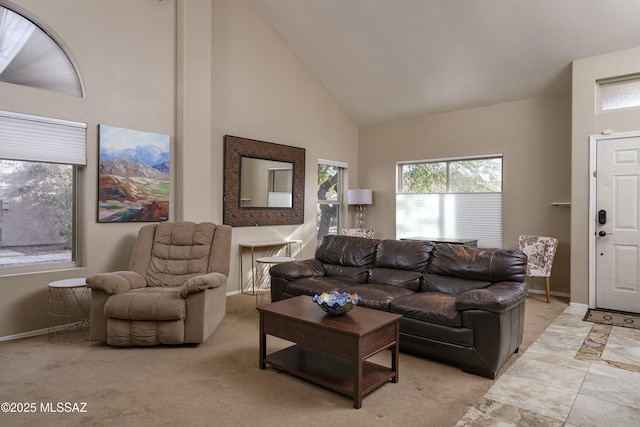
{"points": [[449, 213], [29, 145], [341, 187]]}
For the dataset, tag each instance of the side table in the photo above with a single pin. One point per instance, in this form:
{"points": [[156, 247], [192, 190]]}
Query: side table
{"points": [[263, 290], [69, 308], [253, 246]]}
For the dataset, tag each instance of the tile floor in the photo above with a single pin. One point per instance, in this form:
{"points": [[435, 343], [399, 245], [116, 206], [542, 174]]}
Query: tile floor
{"points": [[576, 374]]}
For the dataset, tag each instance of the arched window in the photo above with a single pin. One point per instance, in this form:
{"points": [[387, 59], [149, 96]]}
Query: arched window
{"points": [[30, 56]]}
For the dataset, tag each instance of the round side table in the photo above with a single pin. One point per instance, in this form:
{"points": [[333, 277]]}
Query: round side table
{"points": [[263, 288], [69, 308]]}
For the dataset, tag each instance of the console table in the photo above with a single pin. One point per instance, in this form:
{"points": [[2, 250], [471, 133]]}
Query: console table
{"points": [[466, 242], [252, 247]]}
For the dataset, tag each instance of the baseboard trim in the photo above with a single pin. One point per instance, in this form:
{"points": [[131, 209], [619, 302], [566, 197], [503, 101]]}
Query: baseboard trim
{"points": [[22, 335], [578, 305], [557, 294]]}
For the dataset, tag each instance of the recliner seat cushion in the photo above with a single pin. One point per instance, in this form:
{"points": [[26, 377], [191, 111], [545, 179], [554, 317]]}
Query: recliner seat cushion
{"points": [[156, 303], [125, 333]]}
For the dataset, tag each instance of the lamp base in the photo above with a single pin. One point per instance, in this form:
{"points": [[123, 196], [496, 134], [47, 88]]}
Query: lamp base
{"points": [[360, 215]]}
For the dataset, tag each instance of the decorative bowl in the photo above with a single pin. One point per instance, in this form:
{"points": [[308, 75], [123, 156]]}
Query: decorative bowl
{"points": [[336, 303]]}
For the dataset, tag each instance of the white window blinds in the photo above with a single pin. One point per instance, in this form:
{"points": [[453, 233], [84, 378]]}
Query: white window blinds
{"points": [[42, 139], [467, 216]]}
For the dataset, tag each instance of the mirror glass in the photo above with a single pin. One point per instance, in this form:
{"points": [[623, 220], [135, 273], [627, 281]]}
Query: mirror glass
{"points": [[265, 183]]}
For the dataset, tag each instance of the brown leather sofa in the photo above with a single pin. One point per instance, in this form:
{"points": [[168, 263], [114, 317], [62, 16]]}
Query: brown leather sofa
{"points": [[460, 304]]}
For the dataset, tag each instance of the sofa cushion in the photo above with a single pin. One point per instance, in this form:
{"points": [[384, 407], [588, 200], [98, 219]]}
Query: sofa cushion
{"points": [[154, 303], [353, 274], [312, 285], [411, 255], [347, 251], [433, 307], [450, 285], [406, 279], [467, 262], [375, 295]]}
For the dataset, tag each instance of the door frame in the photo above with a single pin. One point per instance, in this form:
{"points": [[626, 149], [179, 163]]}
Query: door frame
{"points": [[593, 162]]}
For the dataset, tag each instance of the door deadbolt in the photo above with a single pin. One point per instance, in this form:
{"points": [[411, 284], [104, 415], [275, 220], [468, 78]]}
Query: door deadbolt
{"points": [[602, 217]]}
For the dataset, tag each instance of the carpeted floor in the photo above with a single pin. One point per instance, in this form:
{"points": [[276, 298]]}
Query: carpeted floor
{"points": [[219, 383]]}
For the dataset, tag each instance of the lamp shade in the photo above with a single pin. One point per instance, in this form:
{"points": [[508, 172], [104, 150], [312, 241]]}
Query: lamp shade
{"points": [[360, 197]]}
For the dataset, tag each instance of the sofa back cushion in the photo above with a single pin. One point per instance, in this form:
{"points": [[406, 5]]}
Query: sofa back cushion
{"points": [[347, 257], [467, 262], [347, 251], [410, 255]]}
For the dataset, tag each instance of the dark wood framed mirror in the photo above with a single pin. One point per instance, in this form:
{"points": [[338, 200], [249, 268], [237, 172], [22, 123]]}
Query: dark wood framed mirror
{"points": [[263, 183]]}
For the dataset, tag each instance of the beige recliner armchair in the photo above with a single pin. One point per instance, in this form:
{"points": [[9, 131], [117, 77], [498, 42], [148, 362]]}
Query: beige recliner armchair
{"points": [[174, 291]]}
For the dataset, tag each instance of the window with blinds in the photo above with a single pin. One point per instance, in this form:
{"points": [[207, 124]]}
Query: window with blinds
{"points": [[451, 199], [39, 159]]}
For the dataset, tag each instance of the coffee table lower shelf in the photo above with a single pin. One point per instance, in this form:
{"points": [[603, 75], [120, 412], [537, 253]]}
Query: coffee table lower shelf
{"points": [[329, 371]]}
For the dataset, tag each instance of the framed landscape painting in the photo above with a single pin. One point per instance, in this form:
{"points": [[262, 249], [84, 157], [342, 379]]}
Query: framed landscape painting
{"points": [[134, 179]]}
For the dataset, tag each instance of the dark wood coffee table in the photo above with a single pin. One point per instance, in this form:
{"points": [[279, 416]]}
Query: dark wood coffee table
{"points": [[331, 350]]}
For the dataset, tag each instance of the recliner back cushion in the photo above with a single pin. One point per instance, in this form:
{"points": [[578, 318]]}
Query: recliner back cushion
{"points": [[180, 251], [411, 255], [347, 251], [468, 262]]}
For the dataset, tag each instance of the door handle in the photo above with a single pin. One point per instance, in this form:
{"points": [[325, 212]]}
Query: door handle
{"points": [[603, 233]]}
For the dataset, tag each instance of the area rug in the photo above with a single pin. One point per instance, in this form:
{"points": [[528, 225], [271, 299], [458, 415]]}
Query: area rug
{"points": [[613, 318]]}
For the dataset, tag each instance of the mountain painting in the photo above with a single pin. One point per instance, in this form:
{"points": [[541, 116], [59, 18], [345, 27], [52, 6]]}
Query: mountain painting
{"points": [[134, 175]]}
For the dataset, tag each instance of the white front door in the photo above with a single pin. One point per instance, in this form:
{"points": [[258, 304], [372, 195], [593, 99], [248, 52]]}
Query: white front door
{"points": [[617, 228]]}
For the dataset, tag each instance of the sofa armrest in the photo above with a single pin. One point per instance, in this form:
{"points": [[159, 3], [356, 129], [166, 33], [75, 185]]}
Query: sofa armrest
{"points": [[202, 282], [117, 281], [496, 298], [298, 269]]}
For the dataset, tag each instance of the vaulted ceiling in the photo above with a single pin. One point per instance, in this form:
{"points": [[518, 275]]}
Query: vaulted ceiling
{"points": [[389, 59]]}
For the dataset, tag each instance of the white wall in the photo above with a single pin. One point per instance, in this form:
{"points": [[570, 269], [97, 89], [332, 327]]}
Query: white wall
{"points": [[193, 69], [533, 134], [585, 122]]}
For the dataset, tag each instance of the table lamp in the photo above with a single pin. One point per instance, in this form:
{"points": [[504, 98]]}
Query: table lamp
{"points": [[360, 198]]}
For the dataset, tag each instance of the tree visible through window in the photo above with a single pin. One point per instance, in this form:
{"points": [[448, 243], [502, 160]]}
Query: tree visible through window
{"points": [[453, 176], [329, 196], [36, 223], [451, 199]]}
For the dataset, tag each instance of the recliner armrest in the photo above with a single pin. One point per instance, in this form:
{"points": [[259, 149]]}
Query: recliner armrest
{"points": [[298, 269], [202, 282], [496, 298], [116, 282]]}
